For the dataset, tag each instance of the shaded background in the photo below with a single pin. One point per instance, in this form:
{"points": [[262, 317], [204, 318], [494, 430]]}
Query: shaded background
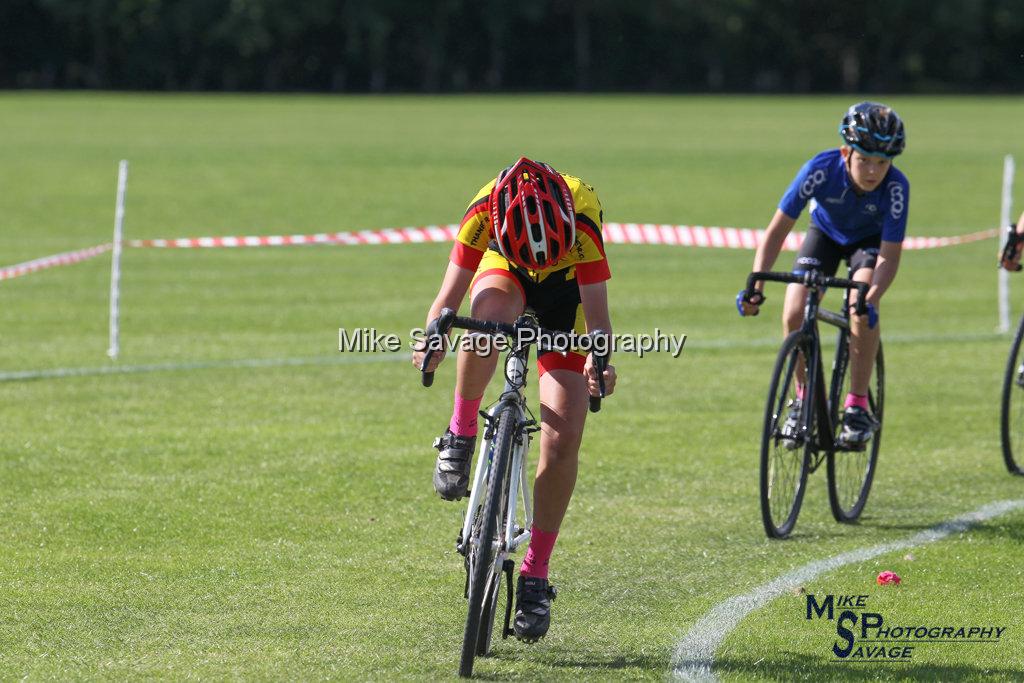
{"points": [[539, 45]]}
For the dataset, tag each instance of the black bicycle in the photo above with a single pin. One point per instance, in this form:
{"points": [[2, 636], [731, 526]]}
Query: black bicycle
{"points": [[802, 432], [1011, 414], [490, 533]]}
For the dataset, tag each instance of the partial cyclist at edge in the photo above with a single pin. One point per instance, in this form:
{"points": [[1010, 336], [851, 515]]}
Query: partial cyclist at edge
{"points": [[1009, 258], [859, 203], [530, 238]]}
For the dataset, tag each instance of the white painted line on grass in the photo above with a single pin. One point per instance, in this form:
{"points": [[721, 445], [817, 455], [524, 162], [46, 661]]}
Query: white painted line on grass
{"points": [[58, 373], [694, 657], [702, 345]]}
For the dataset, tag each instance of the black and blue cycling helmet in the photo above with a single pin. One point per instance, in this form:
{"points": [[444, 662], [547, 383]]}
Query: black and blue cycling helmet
{"points": [[873, 129]]}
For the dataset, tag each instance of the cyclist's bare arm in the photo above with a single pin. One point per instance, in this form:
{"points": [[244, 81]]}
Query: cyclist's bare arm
{"points": [[886, 265], [594, 299], [774, 236], [768, 251], [453, 289]]}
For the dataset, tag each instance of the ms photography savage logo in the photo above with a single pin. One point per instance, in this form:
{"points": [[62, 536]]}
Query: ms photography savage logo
{"points": [[864, 636]]}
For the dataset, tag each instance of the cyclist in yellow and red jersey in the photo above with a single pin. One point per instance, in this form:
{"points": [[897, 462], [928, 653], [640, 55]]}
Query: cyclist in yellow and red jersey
{"points": [[530, 238]]}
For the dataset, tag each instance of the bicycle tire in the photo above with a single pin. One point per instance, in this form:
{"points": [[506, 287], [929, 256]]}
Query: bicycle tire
{"points": [[776, 458], [851, 473], [482, 548], [488, 614], [1013, 394]]}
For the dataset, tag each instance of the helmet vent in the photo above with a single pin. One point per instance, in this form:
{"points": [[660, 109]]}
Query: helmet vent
{"points": [[549, 215], [524, 254], [536, 233], [556, 192]]}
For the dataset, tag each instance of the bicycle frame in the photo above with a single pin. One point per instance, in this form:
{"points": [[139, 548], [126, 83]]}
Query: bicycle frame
{"points": [[515, 383], [826, 399]]}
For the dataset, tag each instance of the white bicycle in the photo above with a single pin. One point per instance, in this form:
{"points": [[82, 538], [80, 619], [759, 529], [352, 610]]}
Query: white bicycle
{"points": [[490, 533]]}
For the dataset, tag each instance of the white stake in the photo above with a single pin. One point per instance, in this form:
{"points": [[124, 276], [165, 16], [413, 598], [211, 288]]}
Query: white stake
{"points": [[115, 263]]}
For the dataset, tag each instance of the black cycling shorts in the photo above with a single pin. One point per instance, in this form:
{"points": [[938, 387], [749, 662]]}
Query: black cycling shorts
{"points": [[822, 253]]}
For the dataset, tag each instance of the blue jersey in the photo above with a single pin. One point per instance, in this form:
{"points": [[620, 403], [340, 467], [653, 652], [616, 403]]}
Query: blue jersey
{"points": [[841, 213]]}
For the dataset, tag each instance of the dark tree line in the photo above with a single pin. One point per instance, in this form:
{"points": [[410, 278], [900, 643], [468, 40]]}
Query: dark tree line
{"points": [[487, 45]]}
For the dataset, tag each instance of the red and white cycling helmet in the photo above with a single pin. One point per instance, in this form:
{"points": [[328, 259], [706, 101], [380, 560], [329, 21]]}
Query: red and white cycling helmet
{"points": [[532, 215]]}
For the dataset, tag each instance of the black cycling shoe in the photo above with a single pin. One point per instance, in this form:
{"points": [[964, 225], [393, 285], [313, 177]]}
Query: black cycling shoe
{"points": [[533, 608], [451, 475], [791, 427], [858, 427]]}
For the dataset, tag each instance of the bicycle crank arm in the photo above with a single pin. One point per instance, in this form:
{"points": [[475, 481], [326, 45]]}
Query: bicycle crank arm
{"points": [[507, 567]]}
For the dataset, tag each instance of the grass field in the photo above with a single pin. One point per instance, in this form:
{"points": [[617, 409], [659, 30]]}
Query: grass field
{"points": [[278, 522]]}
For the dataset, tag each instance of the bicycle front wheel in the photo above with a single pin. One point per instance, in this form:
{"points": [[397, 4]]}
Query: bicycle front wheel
{"points": [[785, 448], [851, 472], [1011, 416], [485, 542]]}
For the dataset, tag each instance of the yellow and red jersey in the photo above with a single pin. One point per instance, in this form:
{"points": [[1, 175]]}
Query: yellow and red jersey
{"points": [[586, 259]]}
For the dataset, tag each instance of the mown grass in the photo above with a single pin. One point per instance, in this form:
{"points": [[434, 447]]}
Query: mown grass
{"points": [[279, 522]]}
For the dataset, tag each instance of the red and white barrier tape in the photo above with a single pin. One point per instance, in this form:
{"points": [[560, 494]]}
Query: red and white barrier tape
{"points": [[430, 233], [614, 233], [65, 259]]}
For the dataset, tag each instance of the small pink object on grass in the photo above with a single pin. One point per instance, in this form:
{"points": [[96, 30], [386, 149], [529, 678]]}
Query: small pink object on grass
{"points": [[885, 578]]}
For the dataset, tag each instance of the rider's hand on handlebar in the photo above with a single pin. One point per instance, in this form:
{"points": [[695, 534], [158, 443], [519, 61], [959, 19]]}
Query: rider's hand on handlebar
{"points": [[749, 303], [590, 372], [432, 344], [420, 352], [872, 314], [1009, 257]]}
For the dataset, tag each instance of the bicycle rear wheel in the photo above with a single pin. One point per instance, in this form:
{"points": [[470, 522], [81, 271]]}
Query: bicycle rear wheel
{"points": [[485, 541], [1011, 415], [850, 473], [785, 461]]}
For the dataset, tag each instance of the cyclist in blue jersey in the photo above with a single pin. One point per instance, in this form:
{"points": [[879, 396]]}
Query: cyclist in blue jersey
{"points": [[859, 204]]}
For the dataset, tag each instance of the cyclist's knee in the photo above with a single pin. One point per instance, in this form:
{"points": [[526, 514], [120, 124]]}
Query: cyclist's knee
{"points": [[563, 443], [793, 306], [863, 274], [792, 316], [496, 298]]}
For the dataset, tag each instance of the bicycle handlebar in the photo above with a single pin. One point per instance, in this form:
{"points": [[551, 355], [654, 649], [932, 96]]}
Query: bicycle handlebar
{"points": [[436, 327], [600, 365], [814, 278], [447, 320]]}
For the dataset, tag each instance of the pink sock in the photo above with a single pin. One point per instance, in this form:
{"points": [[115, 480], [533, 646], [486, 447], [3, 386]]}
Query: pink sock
{"points": [[464, 414], [853, 399], [536, 562]]}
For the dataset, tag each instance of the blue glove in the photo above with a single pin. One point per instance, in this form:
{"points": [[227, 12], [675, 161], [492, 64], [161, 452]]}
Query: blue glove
{"points": [[872, 316], [757, 298]]}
